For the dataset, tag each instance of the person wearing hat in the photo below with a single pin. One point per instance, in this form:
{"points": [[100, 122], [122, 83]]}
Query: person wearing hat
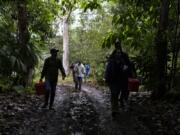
{"points": [[116, 76], [50, 71]]}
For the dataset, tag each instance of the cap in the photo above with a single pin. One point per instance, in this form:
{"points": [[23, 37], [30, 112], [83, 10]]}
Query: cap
{"points": [[53, 50], [117, 40], [118, 44]]}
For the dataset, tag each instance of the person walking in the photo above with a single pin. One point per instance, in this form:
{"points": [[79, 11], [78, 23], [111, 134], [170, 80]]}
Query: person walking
{"points": [[79, 70], [116, 76], [50, 71], [87, 71]]}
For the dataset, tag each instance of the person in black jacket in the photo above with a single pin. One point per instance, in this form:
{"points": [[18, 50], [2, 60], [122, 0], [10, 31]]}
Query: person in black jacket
{"points": [[116, 76], [50, 72]]}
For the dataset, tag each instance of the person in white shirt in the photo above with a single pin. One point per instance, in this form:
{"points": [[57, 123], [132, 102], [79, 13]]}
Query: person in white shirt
{"points": [[79, 70]]}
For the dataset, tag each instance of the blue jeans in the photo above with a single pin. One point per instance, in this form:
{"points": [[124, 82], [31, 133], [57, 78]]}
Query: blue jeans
{"points": [[78, 83]]}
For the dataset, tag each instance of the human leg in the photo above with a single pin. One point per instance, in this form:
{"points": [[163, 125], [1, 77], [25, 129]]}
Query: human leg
{"points": [[76, 82], [80, 82], [47, 92], [53, 91], [124, 93], [114, 98]]}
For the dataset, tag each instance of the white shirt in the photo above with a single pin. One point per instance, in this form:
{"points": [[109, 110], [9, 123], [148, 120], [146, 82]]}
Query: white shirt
{"points": [[79, 70]]}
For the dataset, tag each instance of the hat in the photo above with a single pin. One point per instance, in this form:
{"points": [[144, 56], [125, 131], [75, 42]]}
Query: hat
{"points": [[53, 50], [117, 40], [117, 43]]}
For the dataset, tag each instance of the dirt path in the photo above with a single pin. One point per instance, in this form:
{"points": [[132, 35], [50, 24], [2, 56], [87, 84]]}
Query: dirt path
{"points": [[81, 113], [125, 124]]}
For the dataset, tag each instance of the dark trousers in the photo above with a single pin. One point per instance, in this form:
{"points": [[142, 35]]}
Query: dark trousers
{"points": [[78, 83], [50, 89], [115, 92], [124, 95]]}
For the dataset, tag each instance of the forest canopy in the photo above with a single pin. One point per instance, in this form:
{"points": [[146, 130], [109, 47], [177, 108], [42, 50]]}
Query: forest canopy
{"points": [[86, 30]]}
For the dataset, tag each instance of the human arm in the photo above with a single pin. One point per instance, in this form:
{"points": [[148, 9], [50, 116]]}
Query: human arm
{"points": [[83, 69], [107, 74], [62, 69], [88, 70]]}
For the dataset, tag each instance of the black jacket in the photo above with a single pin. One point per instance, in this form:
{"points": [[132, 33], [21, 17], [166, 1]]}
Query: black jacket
{"points": [[50, 69], [118, 69]]}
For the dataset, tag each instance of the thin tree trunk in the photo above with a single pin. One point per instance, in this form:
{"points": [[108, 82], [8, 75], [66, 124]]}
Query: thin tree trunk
{"points": [[23, 38], [23, 33], [175, 50], [161, 52], [29, 77], [65, 45]]}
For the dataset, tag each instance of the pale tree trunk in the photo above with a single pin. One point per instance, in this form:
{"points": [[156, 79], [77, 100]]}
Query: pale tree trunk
{"points": [[65, 45]]}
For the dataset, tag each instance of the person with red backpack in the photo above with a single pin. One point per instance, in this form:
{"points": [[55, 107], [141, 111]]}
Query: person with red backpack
{"points": [[116, 76]]}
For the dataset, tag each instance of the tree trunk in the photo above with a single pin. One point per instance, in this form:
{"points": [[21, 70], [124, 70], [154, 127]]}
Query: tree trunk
{"points": [[175, 51], [23, 38], [161, 52], [23, 33], [65, 45], [29, 77]]}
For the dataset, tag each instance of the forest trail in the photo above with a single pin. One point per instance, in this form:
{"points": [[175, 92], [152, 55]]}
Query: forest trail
{"points": [[82, 113]]}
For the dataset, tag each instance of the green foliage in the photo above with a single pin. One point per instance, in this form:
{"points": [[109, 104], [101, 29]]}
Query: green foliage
{"points": [[90, 5], [86, 40], [99, 72], [5, 84], [22, 90], [134, 24], [16, 58], [110, 39], [67, 6]]}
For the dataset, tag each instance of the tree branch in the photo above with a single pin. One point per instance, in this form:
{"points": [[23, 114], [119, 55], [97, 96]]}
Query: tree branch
{"points": [[69, 14]]}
